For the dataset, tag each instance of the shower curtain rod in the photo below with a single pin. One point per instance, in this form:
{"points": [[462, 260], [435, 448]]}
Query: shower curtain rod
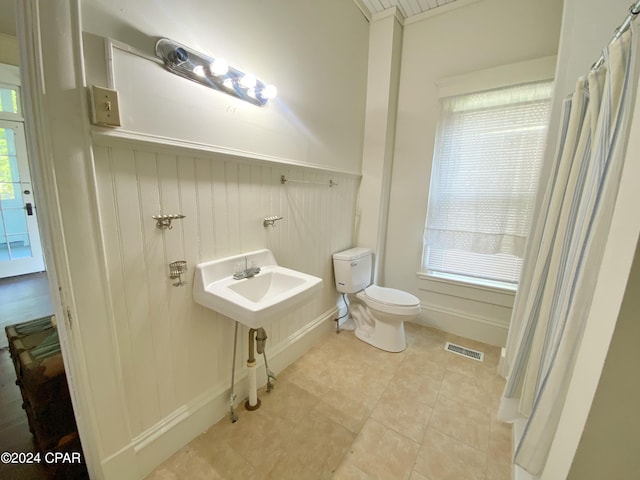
{"points": [[634, 10]]}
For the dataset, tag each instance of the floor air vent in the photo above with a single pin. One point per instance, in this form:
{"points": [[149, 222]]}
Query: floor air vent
{"points": [[465, 352]]}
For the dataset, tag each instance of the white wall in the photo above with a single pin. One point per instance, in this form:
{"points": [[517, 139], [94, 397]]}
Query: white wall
{"points": [[609, 444], [152, 368], [173, 353], [315, 54], [171, 349], [385, 52], [8, 42], [482, 35], [9, 49]]}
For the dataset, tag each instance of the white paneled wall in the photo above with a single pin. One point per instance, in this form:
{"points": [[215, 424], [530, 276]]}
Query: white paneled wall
{"points": [[171, 349]]}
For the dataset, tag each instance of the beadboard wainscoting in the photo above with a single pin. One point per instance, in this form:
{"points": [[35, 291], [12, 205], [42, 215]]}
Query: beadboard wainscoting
{"points": [[477, 312], [175, 355]]}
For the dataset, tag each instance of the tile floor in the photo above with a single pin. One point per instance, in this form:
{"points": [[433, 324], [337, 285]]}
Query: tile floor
{"points": [[346, 410]]}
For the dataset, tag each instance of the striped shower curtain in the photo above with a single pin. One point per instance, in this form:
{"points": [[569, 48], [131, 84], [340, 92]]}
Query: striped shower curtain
{"points": [[565, 249]]}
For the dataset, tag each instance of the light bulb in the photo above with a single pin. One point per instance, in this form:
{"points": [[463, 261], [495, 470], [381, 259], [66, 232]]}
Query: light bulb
{"points": [[199, 70], [228, 83], [219, 67], [270, 91], [248, 81]]}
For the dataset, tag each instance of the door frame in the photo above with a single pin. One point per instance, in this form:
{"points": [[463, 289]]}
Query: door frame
{"points": [[56, 106], [34, 263]]}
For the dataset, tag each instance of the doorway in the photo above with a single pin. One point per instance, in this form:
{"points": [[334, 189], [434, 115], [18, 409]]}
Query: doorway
{"points": [[20, 246]]}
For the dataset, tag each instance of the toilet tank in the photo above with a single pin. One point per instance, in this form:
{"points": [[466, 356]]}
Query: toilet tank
{"points": [[352, 269]]}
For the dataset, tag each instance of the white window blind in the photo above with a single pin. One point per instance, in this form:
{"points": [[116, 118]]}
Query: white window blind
{"points": [[486, 164]]}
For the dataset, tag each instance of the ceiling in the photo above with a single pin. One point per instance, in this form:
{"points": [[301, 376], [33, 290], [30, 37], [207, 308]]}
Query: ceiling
{"points": [[408, 8]]}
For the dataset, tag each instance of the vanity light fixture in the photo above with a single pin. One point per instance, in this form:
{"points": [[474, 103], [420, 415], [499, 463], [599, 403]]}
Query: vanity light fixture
{"points": [[214, 73]]}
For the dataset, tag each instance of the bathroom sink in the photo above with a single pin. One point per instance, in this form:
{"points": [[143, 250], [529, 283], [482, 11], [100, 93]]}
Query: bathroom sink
{"points": [[253, 301]]}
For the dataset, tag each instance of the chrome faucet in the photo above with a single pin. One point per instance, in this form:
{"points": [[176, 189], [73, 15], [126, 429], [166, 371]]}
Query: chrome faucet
{"points": [[248, 272]]}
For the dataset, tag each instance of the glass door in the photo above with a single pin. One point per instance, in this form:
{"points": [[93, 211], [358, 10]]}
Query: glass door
{"points": [[20, 248]]}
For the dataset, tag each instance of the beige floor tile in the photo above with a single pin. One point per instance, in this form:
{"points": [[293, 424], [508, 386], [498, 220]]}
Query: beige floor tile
{"points": [[258, 437], [401, 409], [426, 363], [492, 357], [364, 355], [444, 458], [382, 452], [471, 391], [465, 366], [314, 450], [426, 341], [314, 377], [421, 383], [226, 462], [417, 333], [498, 471], [348, 471], [287, 400], [346, 410], [187, 463], [462, 422], [500, 445], [417, 476], [361, 383], [495, 386], [162, 473]]}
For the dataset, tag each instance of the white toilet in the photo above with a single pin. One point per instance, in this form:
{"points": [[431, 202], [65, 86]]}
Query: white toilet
{"points": [[378, 312]]}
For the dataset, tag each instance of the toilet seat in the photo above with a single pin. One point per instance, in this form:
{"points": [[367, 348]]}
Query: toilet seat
{"points": [[390, 300]]}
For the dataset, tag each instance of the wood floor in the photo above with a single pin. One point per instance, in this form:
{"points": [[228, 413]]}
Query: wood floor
{"points": [[21, 298]]}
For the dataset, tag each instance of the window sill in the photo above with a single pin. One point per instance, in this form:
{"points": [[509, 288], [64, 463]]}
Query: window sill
{"points": [[457, 280]]}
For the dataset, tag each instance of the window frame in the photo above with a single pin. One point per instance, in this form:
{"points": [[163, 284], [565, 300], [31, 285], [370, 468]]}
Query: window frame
{"points": [[537, 70], [10, 79]]}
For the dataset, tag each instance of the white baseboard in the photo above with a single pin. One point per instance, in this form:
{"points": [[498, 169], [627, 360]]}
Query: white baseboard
{"points": [[466, 325], [153, 446]]}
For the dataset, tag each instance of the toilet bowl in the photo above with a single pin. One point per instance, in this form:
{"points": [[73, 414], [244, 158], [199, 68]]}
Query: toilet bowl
{"points": [[378, 312]]}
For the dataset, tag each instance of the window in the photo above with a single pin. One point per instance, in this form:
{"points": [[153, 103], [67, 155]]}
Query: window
{"points": [[9, 100], [8, 164], [487, 159]]}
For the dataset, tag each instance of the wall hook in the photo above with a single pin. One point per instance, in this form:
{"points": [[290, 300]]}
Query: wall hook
{"points": [[270, 221], [164, 221]]}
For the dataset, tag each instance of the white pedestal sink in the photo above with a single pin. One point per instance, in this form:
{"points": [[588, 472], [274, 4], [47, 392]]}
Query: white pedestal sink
{"points": [[256, 300], [252, 301]]}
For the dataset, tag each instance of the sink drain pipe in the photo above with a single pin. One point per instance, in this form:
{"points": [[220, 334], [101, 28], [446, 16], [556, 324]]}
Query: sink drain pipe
{"points": [[257, 336], [253, 403]]}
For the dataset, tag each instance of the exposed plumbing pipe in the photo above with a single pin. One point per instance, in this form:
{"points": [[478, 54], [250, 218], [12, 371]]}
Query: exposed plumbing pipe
{"points": [[261, 339], [253, 403], [232, 397]]}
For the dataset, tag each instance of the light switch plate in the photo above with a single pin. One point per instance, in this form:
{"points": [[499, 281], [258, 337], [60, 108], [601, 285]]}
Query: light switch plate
{"points": [[106, 109]]}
